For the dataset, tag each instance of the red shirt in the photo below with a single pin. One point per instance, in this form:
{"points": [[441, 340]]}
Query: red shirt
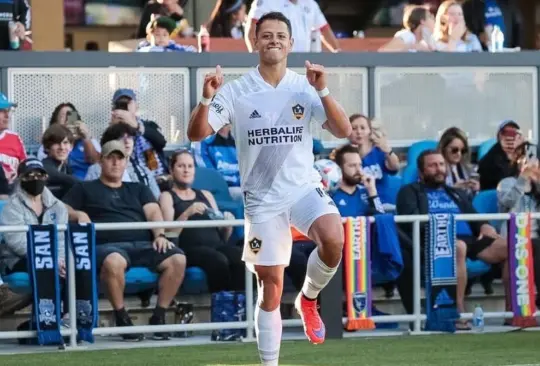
{"points": [[12, 152]]}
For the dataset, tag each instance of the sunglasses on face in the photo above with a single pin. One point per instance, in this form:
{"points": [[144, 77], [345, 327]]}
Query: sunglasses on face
{"points": [[33, 176], [455, 150], [509, 133]]}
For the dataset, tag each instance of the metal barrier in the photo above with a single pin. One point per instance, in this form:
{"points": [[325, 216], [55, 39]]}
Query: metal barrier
{"points": [[417, 317]]}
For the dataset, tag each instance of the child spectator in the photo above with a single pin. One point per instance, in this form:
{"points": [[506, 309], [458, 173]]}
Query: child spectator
{"points": [[159, 38]]}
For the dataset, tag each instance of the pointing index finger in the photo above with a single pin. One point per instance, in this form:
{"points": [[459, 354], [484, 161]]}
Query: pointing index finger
{"points": [[218, 70]]}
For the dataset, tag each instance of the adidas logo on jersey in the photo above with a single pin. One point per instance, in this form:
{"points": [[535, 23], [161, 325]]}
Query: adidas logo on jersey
{"points": [[254, 114]]}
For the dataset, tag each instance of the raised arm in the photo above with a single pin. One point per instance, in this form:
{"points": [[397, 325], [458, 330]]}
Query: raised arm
{"points": [[200, 126], [337, 121]]}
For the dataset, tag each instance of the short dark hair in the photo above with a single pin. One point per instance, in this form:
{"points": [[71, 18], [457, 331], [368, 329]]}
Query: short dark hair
{"points": [[55, 134], [275, 15], [117, 131], [345, 149], [420, 161]]}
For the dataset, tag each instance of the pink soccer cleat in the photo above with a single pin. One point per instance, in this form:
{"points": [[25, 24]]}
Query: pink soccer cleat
{"points": [[313, 324]]}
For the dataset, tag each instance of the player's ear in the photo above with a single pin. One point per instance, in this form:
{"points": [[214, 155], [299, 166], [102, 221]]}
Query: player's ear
{"points": [[291, 42]]}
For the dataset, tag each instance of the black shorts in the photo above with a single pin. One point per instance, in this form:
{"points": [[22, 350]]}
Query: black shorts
{"points": [[475, 246], [136, 254]]}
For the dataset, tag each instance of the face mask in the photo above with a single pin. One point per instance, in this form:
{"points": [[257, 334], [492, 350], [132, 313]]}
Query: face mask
{"points": [[182, 185], [33, 187]]}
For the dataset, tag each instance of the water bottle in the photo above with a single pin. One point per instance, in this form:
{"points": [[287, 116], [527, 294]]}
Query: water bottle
{"points": [[478, 319], [497, 39], [14, 42]]}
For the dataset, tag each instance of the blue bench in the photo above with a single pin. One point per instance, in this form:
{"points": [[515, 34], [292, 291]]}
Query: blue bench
{"points": [[137, 280]]}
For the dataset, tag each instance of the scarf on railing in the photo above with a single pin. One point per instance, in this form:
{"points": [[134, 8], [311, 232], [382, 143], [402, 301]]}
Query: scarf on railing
{"points": [[357, 264], [441, 274], [386, 260], [42, 255], [521, 266], [83, 245]]}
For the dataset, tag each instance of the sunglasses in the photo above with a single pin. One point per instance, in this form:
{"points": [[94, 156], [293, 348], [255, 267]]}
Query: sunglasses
{"points": [[510, 132], [455, 150], [33, 176]]}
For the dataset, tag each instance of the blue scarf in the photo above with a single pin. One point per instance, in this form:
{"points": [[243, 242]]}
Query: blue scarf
{"points": [[42, 255], [386, 260], [82, 239], [441, 274]]}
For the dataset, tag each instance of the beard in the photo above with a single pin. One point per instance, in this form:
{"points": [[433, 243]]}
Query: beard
{"points": [[435, 181], [352, 180]]}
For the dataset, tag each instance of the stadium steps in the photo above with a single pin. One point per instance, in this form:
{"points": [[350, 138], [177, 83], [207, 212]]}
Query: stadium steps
{"points": [[201, 304]]}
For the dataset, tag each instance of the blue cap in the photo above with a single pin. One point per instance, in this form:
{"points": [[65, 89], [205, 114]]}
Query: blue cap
{"points": [[5, 103], [129, 93], [30, 165]]}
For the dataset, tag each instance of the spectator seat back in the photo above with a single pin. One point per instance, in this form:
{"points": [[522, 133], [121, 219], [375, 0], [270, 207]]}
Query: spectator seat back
{"points": [[484, 148]]}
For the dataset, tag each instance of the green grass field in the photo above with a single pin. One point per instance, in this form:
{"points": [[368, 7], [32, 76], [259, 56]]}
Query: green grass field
{"points": [[520, 348]]}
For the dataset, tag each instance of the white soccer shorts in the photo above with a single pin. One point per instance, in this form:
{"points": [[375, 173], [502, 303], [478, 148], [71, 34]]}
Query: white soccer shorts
{"points": [[269, 243]]}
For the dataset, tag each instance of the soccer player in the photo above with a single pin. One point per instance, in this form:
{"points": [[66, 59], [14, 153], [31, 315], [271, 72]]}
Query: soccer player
{"points": [[271, 110]]}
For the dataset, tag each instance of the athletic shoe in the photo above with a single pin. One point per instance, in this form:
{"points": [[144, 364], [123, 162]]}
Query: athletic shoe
{"points": [[123, 320], [159, 320], [313, 325]]}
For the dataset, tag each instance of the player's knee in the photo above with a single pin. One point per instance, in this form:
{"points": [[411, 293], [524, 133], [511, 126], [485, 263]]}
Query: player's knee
{"points": [[113, 266], [461, 250]]}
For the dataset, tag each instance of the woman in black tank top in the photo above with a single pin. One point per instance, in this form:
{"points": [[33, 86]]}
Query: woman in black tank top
{"points": [[207, 247]]}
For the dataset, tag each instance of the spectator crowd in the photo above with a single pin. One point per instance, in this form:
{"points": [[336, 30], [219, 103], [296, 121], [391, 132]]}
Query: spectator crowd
{"points": [[124, 175]]}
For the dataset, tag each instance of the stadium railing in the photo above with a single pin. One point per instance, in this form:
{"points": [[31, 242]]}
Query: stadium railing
{"points": [[415, 96], [417, 317]]}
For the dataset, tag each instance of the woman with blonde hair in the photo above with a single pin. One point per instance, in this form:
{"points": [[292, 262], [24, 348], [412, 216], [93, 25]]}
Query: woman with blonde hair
{"points": [[451, 33], [454, 147], [416, 35]]}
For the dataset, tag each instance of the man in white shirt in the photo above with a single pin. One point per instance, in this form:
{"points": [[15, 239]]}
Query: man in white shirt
{"points": [[271, 109], [307, 21]]}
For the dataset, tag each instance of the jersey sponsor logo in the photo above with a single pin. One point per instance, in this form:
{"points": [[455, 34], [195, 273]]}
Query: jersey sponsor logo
{"points": [[298, 111], [218, 108], [254, 115], [255, 245], [275, 135]]}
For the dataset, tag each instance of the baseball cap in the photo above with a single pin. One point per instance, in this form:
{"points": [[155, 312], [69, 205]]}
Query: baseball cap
{"points": [[30, 165], [113, 146], [506, 123], [122, 92], [5, 103]]}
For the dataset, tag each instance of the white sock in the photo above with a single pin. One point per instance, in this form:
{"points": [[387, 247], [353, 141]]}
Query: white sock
{"points": [[317, 277], [268, 329]]}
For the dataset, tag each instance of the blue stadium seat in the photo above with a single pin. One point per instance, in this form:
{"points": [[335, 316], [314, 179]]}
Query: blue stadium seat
{"points": [[416, 149], [486, 202], [409, 174], [394, 184], [210, 180], [484, 148], [137, 279], [483, 202]]}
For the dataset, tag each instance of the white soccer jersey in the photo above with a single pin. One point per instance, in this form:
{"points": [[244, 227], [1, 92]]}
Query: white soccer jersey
{"points": [[273, 139], [305, 17]]}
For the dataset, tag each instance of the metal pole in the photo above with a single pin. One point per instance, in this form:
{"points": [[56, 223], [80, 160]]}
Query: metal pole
{"points": [[417, 306], [72, 298]]}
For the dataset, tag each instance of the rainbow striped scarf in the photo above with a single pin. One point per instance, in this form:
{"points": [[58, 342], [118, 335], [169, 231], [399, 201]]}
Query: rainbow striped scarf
{"points": [[357, 264], [520, 260]]}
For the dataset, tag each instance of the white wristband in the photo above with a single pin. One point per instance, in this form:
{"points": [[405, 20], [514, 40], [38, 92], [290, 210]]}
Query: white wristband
{"points": [[206, 101], [323, 93]]}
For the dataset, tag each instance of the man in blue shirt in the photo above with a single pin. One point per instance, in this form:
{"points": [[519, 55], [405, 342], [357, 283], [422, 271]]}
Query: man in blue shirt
{"points": [[476, 239], [357, 193], [357, 196]]}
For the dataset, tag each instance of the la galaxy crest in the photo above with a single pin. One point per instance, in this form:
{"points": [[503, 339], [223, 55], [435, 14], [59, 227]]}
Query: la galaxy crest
{"points": [[298, 111], [255, 245]]}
